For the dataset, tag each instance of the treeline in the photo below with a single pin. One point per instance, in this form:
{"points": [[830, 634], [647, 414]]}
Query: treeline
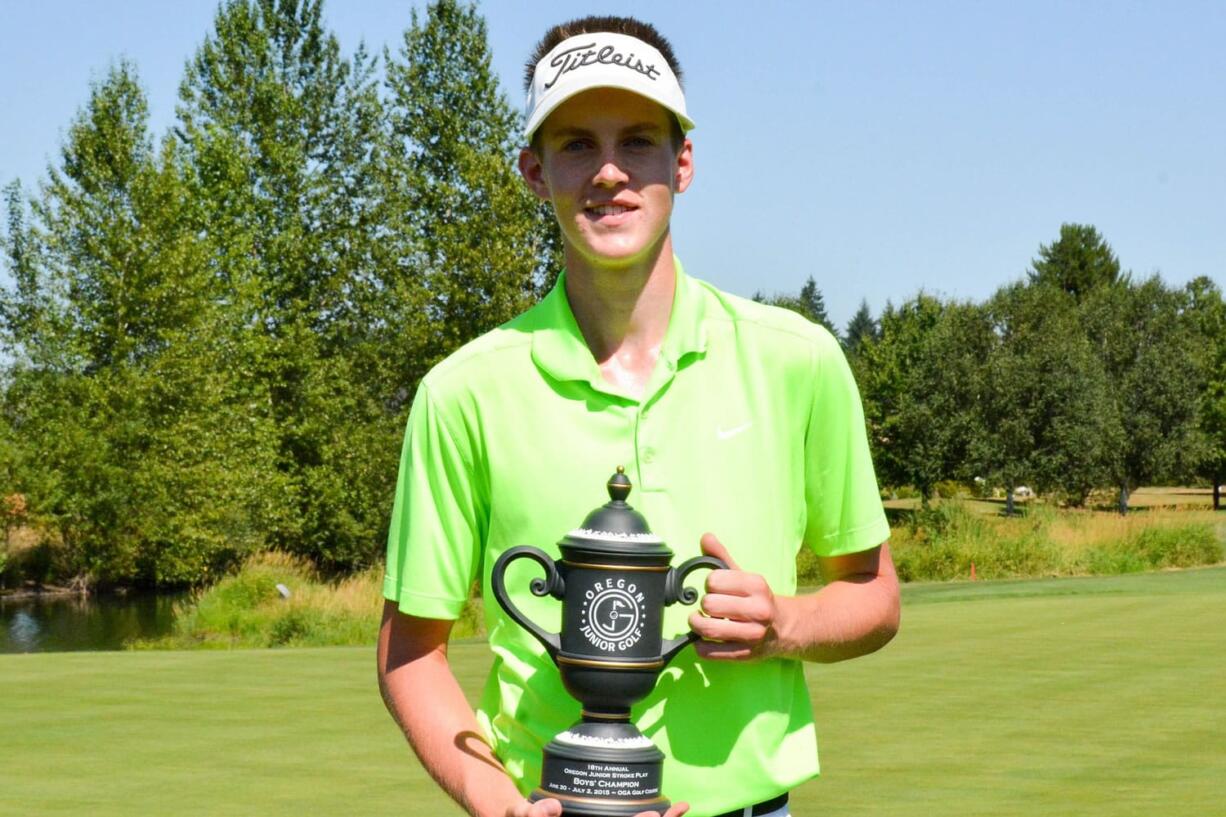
{"points": [[212, 336], [1078, 378]]}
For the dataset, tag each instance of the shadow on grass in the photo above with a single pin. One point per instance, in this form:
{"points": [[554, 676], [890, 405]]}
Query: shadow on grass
{"points": [[903, 512], [911, 516]]}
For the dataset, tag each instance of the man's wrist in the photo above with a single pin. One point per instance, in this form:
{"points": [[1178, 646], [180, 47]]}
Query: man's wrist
{"points": [[784, 640], [502, 800]]}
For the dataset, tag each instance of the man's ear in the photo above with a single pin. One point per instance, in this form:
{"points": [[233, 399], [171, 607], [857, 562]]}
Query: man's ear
{"points": [[533, 171], [684, 173]]}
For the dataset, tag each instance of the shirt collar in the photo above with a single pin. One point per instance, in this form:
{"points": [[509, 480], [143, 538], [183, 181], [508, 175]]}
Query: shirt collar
{"points": [[559, 350]]}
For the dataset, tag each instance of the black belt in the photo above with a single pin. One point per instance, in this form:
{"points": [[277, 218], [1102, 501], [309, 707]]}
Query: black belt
{"points": [[765, 807]]}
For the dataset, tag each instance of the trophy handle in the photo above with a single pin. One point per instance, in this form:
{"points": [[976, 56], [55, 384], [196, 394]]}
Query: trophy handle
{"points": [[551, 585], [676, 591]]}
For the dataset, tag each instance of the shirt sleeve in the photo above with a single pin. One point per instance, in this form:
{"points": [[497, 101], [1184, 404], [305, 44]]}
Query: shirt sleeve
{"points": [[845, 514], [438, 525]]}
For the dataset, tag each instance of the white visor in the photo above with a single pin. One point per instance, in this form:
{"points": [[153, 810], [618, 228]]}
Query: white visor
{"points": [[602, 60]]}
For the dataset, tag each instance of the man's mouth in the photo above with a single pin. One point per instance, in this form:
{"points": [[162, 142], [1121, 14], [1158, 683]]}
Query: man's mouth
{"points": [[609, 210]]}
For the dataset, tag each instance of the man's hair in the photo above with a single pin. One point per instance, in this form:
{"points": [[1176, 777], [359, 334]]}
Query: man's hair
{"points": [[594, 24], [600, 24]]}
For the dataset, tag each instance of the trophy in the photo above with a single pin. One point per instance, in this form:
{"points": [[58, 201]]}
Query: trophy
{"points": [[614, 581]]}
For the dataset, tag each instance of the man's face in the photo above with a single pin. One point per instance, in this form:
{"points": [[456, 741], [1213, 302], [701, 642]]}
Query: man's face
{"points": [[607, 161]]}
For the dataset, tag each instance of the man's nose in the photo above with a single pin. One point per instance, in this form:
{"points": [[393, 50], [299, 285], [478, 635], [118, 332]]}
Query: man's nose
{"points": [[610, 173]]}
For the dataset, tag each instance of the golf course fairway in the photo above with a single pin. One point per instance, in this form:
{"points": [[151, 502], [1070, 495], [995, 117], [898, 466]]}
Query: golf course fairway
{"points": [[1097, 696]]}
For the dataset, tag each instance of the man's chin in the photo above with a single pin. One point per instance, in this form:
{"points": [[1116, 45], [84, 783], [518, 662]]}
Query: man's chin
{"points": [[615, 262], [616, 255]]}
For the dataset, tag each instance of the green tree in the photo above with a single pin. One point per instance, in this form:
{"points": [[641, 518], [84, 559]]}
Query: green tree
{"points": [[1046, 417], [808, 302], [1149, 351], [920, 383], [22, 306], [484, 247], [285, 139], [860, 328], [1079, 262], [1207, 313], [814, 305], [114, 393], [360, 241]]}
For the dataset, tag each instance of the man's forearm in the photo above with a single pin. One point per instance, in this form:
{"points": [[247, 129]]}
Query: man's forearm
{"points": [[855, 613], [423, 696], [847, 618]]}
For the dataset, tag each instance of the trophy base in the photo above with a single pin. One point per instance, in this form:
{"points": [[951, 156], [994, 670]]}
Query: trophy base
{"points": [[602, 769]]}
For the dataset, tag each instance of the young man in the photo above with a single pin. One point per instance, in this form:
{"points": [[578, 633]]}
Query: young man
{"points": [[739, 425]]}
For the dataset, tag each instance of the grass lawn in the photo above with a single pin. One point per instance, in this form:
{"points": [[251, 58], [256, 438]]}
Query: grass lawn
{"points": [[1097, 696]]}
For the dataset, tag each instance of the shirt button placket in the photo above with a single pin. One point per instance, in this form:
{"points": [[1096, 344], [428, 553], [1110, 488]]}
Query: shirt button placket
{"points": [[646, 451], [639, 448]]}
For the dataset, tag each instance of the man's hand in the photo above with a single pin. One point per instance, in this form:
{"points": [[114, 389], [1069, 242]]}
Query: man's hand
{"points": [[738, 614], [854, 613], [541, 808], [553, 808]]}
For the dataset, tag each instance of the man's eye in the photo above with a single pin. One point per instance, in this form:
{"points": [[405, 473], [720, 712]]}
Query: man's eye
{"points": [[574, 145], [638, 142]]}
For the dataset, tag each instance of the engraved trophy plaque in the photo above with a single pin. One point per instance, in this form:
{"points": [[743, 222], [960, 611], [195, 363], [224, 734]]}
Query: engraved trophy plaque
{"points": [[614, 581]]}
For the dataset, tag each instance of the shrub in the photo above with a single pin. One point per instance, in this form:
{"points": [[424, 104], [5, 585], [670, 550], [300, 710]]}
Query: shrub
{"points": [[902, 492], [931, 560], [245, 609], [943, 541], [950, 489], [40, 562], [1029, 554], [296, 624], [1183, 546], [1152, 547]]}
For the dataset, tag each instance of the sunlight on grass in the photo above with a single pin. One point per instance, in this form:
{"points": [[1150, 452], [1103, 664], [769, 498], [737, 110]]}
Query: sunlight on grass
{"points": [[1095, 697]]}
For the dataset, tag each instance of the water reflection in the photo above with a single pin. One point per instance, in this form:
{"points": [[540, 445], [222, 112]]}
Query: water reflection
{"points": [[23, 632], [77, 623]]}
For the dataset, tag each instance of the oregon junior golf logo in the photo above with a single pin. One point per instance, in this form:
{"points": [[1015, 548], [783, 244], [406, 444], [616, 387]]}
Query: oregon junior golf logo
{"points": [[612, 615]]}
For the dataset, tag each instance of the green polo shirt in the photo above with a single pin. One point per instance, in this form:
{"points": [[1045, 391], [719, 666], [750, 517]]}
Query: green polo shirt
{"points": [[751, 427]]}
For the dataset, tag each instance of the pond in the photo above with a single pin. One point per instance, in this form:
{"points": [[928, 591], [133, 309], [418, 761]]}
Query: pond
{"points": [[62, 623]]}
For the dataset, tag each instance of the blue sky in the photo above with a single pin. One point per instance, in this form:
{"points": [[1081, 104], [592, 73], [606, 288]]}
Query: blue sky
{"points": [[882, 147]]}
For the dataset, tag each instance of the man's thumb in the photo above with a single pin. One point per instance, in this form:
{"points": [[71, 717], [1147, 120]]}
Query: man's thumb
{"points": [[711, 546], [546, 808]]}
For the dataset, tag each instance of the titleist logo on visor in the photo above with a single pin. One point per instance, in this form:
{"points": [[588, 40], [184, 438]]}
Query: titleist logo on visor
{"points": [[575, 58]]}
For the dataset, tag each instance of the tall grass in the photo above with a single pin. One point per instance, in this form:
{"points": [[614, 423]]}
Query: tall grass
{"points": [[943, 542], [246, 609]]}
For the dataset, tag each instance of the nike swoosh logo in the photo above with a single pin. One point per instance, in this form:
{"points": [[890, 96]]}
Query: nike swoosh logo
{"points": [[725, 433]]}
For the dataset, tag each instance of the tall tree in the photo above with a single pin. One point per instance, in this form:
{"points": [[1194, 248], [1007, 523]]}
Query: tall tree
{"points": [[814, 305], [484, 247], [1153, 364], [860, 328], [920, 384], [1207, 314], [22, 306], [284, 139], [1079, 262], [808, 302], [116, 389], [1046, 418]]}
